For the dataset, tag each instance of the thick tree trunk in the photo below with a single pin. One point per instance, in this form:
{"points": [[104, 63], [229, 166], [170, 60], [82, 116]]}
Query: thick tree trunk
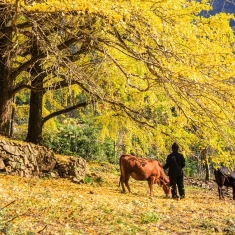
{"points": [[5, 103], [35, 111], [6, 83]]}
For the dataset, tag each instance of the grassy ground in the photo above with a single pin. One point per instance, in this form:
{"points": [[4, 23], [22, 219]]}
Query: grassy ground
{"points": [[58, 206]]}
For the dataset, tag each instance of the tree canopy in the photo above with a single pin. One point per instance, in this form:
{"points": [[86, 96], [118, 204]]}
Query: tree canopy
{"points": [[157, 71]]}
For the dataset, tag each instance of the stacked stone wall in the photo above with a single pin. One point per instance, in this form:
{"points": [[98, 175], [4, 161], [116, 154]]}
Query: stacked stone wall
{"points": [[26, 159]]}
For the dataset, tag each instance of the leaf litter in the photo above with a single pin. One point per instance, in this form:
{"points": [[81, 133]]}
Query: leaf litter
{"points": [[58, 206]]}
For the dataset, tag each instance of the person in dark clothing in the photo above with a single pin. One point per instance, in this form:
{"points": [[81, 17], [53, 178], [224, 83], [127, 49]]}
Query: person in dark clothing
{"points": [[176, 162]]}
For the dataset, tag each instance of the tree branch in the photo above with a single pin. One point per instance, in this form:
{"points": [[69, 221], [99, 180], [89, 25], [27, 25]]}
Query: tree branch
{"points": [[7, 205], [10, 29], [45, 119], [41, 56]]}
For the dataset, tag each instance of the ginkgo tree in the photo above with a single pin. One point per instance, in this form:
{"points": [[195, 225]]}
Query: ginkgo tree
{"points": [[157, 70]]}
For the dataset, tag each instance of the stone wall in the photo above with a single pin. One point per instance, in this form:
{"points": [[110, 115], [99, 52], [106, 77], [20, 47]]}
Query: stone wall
{"points": [[26, 159]]}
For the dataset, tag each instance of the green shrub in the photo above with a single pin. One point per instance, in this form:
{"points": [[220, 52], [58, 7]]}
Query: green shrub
{"points": [[191, 168], [80, 140], [149, 217], [88, 180]]}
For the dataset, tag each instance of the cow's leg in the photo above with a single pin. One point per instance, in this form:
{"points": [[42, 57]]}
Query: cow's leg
{"points": [[220, 191], [221, 196], [220, 179], [151, 181], [122, 179], [221, 187], [126, 182]]}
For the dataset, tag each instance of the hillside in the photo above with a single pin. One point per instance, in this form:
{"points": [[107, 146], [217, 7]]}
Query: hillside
{"points": [[58, 206]]}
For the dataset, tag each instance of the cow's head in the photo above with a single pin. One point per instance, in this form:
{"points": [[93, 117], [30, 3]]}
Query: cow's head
{"points": [[165, 185], [167, 189]]}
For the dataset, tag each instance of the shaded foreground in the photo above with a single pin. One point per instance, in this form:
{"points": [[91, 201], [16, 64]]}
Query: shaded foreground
{"points": [[58, 206]]}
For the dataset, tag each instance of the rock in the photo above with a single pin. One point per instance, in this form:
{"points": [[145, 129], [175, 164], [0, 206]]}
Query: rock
{"points": [[2, 164], [8, 169], [13, 164], [75, 180], [11, 149], [54, 175], [74, 167], [26, 159], [203, 185], [218, 230]]}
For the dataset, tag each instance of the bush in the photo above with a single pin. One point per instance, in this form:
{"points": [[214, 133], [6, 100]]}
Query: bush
{"points": [[82, 140], [191, 168], [88, 180]]}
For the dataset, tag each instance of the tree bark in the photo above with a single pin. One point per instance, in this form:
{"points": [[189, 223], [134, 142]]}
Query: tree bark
{"points": [[6, 82], [5, 102], [34, 134], [207, 171], [206, 162], [12, 117]]}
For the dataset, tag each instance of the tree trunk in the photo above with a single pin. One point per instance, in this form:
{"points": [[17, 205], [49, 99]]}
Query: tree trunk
{"points": [[6, 83], [207, 170], [34, 134], [35, 113], [206, 162], [12, 117], [5, 103]]}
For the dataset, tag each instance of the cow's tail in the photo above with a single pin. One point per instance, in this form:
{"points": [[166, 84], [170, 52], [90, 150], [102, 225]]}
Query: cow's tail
{"points": [[121, 169], [120, 165]]}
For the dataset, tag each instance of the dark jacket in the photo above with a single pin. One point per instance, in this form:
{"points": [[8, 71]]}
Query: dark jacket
{"points": [[175, 162]]}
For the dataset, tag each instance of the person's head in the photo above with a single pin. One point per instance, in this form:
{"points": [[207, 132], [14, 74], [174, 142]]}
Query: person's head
{"points": [[175, 147]]}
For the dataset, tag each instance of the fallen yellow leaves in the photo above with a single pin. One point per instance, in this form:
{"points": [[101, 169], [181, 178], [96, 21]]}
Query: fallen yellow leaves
{"points": [[50, 206]]}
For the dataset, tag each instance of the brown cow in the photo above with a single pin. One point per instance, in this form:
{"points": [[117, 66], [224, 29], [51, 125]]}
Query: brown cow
{"points": [[143, 169]]}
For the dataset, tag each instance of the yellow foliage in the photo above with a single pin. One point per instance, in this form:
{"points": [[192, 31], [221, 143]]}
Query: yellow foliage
{"points": [[158, 64]]}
